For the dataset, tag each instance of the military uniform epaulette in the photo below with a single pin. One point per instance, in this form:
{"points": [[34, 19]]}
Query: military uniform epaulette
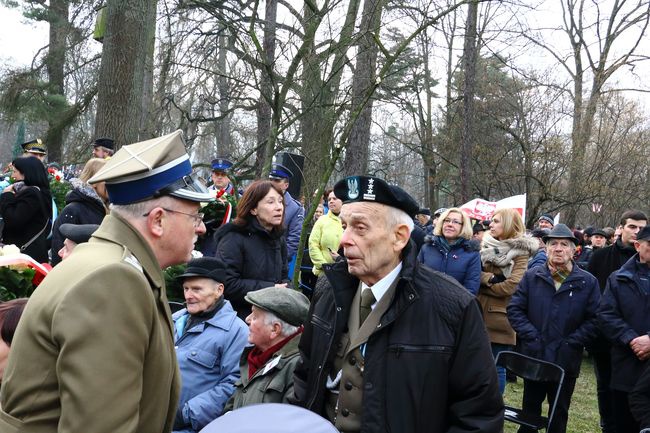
{"points": [[133, 261]]}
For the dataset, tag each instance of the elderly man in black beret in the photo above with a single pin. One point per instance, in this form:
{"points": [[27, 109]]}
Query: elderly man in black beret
{"points": [[267, 365], [391, 346]]}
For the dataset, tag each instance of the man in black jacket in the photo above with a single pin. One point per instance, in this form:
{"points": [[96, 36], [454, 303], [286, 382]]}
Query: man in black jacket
{"points": [[602, 264], [391, 346]]}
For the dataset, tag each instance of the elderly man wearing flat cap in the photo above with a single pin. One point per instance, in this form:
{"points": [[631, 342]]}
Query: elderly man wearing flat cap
{"points": [[209, 341], [266, 367], [94, 350], [553, 312], [390, 345]]}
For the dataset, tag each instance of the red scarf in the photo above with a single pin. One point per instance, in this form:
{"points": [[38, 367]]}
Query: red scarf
{"points": [[257, 358]]}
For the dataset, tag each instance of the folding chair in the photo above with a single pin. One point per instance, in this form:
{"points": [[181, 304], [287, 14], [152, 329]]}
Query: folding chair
{"points": [[534, 370]]}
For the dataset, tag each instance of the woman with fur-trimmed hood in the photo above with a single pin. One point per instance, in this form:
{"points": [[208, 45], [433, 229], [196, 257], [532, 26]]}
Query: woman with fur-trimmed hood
{"points": [[504, 259]]}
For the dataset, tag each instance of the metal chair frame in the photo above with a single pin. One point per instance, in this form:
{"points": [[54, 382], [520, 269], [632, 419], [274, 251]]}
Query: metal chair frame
{"points": [[535, 370]]}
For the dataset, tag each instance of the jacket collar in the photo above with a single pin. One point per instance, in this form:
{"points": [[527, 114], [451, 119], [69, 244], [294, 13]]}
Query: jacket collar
{"points": [[223, 319], [117, 230], [628, 270]]}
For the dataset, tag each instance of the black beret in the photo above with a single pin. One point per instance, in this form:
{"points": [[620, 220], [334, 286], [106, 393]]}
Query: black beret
{"points": [[288, 304], [108, 143], [425, 211], [206, 267], [78, 233], [372, 189]]}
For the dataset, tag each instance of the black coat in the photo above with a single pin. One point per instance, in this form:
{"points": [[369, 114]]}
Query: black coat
{"points": [[255, 259], [624, 314], [82, 206], [639, 399], [428, 367], [25, 214]]}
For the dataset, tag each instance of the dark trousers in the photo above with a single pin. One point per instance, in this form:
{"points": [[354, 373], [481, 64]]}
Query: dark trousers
{"points": [[534, 395], [623, 419], [603, 370]]}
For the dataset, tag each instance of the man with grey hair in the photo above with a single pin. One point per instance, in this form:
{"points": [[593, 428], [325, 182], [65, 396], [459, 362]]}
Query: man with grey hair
{"points": [[94, 349], [266, 367], [391, 345]]}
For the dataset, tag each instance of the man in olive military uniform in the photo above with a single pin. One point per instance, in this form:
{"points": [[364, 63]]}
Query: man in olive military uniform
{"points": [[391, 346], [94, 350], [35, 148]]}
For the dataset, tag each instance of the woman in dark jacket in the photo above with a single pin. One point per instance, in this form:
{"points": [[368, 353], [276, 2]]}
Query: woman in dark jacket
{"points": [[253, 245], [450, 251], [26, 207], [84, 204]]}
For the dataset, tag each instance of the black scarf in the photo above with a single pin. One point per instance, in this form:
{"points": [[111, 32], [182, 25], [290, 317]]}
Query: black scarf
{"points": [[196, 319]]}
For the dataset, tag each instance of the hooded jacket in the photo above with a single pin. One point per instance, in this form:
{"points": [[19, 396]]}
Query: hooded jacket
{"points": [[82, 206], [255, 259]]}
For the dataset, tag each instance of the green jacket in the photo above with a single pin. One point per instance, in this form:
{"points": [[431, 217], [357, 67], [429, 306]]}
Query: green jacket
{"points": [[94, 349], [269, 384]]}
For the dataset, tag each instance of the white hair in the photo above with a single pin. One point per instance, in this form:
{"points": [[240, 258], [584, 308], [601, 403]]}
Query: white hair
{"points": [[137, 210], [287, 329], [396, 216]]}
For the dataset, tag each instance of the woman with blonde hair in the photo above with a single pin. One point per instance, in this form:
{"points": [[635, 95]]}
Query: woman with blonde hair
{"points": [[504, 259], [84, 204], [450, 251]]}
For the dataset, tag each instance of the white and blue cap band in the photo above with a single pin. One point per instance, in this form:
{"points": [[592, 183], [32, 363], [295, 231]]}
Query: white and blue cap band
{"points": [[149, 169]]}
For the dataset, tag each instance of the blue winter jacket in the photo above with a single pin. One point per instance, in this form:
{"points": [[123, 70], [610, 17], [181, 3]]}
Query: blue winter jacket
{"points": [[463, 261], [624, 314], [555, 325], [208, 357], [294, 215], [539, 259]]}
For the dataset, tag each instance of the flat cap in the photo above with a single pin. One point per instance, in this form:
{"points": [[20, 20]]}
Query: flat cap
{"points": [[108, 143], [279, 171], [599, 232], [149, 169], [644, 234], [372, 189], [35, 146], [221, 164], [425, 211], [288, 304], [561, 231], [206, 267], [78, 233]]}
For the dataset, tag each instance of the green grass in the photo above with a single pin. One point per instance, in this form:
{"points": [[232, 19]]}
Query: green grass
{"points": [[583, 412]]}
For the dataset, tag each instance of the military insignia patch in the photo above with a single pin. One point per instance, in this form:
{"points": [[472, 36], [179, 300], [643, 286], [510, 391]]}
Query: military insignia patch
{"points": [[353, 188], [370, 191]]}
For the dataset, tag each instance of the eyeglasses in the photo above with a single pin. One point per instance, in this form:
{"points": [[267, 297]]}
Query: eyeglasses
{"points": [[197, 218], [454, 222]]}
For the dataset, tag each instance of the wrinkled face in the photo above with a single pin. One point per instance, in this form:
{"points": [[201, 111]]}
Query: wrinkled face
{"points": [[452, 225], [201, 293], [543, 224], [630, 230], [4, 356], [598, 241], [559, 251], [368, 244], [182, 229], [220, 179], [334, 204], [269, 210], [259, 333], [643, 248], [496, 227], [67, 248]]}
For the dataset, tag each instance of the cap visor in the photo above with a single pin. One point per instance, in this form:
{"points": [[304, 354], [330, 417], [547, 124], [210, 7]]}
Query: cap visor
{"points": [[189, 189]]}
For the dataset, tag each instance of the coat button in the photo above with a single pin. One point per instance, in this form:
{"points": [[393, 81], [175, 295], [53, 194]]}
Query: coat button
{"points": [[193, 353], [368, 385], [348, 385], [353, 360], [345, 412]]}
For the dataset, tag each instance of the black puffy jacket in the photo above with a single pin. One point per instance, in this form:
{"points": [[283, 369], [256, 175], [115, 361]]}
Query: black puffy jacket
{"points": [[255, 259], [428, 367], [82, 206]]}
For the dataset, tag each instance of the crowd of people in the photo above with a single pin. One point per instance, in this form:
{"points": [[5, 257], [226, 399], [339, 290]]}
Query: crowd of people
{"points": [[407, 310]]}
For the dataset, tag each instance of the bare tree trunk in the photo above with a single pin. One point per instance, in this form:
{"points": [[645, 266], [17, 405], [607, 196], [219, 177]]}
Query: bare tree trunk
{"points": [[264, 110], [356, 153], [222, 126], [129, 24], [469, 60], [55, 65]]}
